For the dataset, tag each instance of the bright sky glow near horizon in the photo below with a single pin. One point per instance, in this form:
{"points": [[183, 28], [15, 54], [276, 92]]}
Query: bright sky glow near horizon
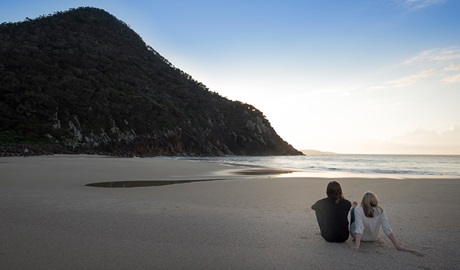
{"points": [[362, 76]]}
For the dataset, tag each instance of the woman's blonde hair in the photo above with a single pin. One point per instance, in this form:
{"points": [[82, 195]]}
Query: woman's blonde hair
{"points": [[369, 202]]}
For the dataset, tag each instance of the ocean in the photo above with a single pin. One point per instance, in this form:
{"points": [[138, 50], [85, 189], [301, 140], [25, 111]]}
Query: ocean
{"points": [[394, 165]]}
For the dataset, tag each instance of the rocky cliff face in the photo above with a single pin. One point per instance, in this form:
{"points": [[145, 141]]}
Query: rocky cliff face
{"points": [[84, 81]]}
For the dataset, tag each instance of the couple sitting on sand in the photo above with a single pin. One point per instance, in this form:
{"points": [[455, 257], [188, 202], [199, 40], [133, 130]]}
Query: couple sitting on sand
{"points": [[365, 220]]}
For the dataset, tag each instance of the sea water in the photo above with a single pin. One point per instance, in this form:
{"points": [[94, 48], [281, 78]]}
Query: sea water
{"points": [[402, 165]]}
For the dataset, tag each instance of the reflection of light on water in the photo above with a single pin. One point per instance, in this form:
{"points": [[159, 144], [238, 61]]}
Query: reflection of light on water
{"points": [[288, 173], [325, 174]]}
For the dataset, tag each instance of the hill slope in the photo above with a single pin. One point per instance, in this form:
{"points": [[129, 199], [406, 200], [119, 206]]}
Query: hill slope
{"points": [[83, 80]]}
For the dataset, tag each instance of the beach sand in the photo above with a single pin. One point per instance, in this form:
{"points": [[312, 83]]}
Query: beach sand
{"points": [[50, 219]]}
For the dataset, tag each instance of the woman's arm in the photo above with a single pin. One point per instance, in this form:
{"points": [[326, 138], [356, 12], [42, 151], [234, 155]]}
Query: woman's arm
{"points": [[399, 247], [395, 242], [358, 237]]}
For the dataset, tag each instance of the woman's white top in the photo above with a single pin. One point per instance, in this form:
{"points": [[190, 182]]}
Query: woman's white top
{"points": [[370, 227]]}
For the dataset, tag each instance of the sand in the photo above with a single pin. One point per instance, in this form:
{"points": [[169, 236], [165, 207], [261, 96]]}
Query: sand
{"points": [[49, 219]]}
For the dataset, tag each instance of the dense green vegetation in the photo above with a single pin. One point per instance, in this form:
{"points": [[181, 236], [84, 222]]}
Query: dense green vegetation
{"points": [[83, 78]]}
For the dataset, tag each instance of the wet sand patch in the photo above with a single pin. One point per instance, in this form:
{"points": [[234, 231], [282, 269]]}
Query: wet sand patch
{"points": [[263, 171], [151, 183], [145, 183]]}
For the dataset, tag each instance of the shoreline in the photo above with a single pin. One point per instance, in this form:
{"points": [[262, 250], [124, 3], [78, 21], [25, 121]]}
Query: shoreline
{"points": [[222, 220], [246, 169], [411, 166], [254, 170]]}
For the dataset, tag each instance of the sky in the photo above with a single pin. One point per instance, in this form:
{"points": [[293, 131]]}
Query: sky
{"points": [[361, 76]]}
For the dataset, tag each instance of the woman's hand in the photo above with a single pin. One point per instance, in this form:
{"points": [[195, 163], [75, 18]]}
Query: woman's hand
{"points": [[354, 247], [401, 248]]}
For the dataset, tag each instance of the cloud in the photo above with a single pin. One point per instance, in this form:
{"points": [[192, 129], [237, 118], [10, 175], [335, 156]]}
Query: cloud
{"points": [[451, 79], [444, 64], [418, 4], [452, 68], [420, 141], [421, 136], [407, 80], [452, 135], [435, 55], [440, 63], [423, 141]]}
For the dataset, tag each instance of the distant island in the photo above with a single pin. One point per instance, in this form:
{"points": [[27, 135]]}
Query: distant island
{"points": [[316, 152], [82, 81]]}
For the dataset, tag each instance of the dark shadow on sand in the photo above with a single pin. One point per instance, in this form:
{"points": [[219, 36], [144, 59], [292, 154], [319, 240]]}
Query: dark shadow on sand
{"points": [[153, 183], [131, 184]]}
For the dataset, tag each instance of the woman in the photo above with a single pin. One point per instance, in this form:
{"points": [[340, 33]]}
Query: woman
{"points": [[332, 214], [366, 221]]}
